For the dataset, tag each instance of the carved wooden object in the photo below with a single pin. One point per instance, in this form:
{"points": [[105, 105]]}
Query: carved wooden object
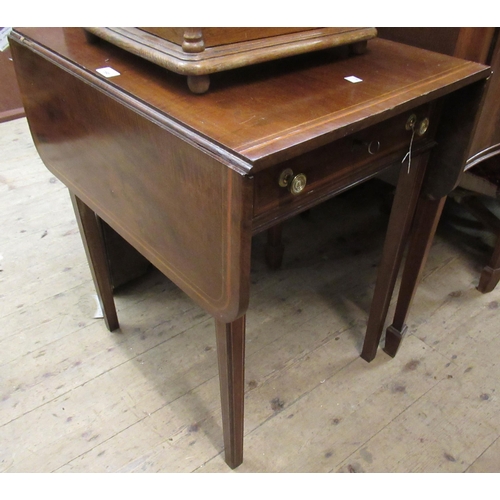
{"points": [[199, 52]]}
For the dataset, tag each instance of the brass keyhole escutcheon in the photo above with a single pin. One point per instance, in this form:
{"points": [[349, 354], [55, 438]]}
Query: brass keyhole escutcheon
{"points": [[285, 177], [294, 183], [410, 123], [423, 126]]}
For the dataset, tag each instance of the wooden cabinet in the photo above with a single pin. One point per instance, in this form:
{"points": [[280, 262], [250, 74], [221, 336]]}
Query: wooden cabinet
{"points": [[11, 106]]}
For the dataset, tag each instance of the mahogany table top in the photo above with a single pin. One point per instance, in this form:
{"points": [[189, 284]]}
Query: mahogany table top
{"points": [[264, 116]]}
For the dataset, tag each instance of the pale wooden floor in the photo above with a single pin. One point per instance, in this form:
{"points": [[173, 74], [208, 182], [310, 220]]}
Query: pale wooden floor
{"points": [[76, 398]]}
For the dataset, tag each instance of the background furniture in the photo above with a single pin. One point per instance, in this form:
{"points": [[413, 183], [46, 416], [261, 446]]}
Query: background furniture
{"points": [[188, 179], [477, 44], [479, 193], [11, 106]]}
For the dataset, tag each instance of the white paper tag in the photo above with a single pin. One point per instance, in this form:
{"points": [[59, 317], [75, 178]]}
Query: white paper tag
{"points": [[353, 79], [98, 312], [108, 72], [4, 42]]}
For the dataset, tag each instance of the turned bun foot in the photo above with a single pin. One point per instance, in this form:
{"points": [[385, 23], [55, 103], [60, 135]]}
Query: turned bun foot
{"points": [[358, 48], [198, 84]]}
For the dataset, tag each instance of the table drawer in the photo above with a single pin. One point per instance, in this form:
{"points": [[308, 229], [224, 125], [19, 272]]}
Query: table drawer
{"points": [[337, 166]]}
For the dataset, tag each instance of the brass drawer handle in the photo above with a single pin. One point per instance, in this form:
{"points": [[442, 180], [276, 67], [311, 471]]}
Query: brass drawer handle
{"points": [[297, 184], [294, 183]]}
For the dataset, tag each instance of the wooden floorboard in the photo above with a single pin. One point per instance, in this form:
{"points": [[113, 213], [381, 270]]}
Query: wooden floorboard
{"points": [[76, 398]]}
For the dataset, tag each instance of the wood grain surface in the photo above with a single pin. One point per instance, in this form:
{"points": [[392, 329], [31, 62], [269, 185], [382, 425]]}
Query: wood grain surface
{"points": [[236, 114]]}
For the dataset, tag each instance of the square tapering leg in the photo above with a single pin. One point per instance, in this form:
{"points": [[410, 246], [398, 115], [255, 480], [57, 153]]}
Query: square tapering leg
{"points": [[231, 356], [427, 218], [402, 213], [93, 242]]}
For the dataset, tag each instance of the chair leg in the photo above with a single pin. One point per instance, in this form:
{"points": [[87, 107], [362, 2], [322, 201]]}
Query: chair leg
{"points": [[490, 275], [93, 242], [274, 247], [231, 357], [427, 217]]}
